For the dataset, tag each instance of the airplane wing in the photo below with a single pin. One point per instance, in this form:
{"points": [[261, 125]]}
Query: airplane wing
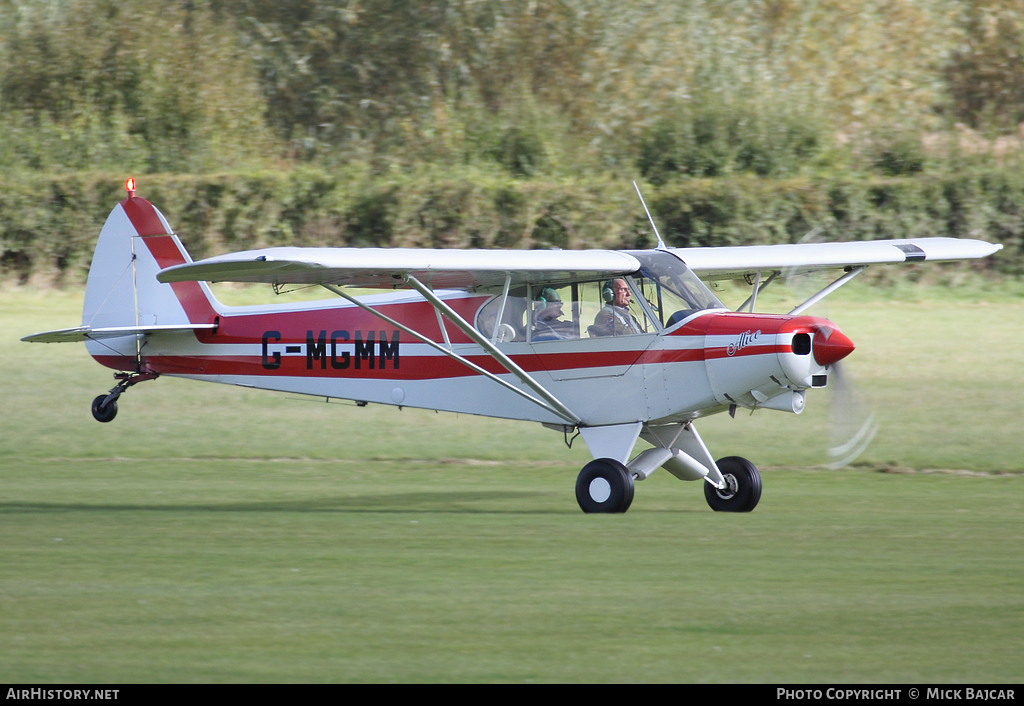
{"points": [[479, 269], [87, 333], [386, 267], [745, 261]]}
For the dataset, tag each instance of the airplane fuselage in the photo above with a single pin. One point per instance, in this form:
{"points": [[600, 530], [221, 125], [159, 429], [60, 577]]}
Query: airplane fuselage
{"points": [[334, 349]]}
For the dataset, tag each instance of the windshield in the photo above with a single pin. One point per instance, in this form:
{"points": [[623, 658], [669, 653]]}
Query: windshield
{"points": [[672, 290]]}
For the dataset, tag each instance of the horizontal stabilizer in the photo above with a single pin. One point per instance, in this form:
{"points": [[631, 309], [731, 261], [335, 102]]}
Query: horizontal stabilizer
{"points": [[87, 333], [380, 267]]}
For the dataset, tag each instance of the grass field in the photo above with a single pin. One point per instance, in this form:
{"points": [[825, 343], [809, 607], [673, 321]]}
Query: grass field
{"points": [[218, 534]]}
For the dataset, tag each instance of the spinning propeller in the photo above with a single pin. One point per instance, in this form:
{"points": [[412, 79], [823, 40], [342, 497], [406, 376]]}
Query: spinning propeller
{"points": [[852, 424]]}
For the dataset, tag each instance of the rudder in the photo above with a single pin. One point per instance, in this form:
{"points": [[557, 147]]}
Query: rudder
{"points": [[135, 243]]}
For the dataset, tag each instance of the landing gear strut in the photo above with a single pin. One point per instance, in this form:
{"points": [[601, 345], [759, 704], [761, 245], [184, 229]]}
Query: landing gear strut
{"points": [[742, 486], [604, 485], [104, 407]]}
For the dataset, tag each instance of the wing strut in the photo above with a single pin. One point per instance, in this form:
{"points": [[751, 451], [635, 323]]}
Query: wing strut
{"points": [[451, 354], [554, 404], [827, 290], [758, 288], [501, 308]]}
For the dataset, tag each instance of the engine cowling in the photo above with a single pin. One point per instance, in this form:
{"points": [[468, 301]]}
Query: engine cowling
{"points": [[758, 360]]}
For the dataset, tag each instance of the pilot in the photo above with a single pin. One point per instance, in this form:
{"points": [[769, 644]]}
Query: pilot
{"points": [[547, 322], [615, 318]]}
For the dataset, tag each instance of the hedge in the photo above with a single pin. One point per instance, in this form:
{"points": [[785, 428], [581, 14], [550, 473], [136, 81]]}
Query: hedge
{"points": [[48, 224]]}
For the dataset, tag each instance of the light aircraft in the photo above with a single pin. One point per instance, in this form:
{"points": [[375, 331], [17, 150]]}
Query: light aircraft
{"points": [[615, 345]]}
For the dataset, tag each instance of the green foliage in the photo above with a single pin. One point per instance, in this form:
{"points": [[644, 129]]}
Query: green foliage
{"points": [[147, 87], [716, 141], [549, 88], [521, 152], [986, 73], [48, 225], [507, 123], [899, 155]]}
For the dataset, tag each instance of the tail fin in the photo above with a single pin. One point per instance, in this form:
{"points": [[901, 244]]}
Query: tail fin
{"points": [[135, 243]]}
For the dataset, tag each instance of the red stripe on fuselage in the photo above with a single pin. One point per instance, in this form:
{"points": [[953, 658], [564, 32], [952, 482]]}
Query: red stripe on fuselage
{"points": [[654, 357], [736, 324], [299, 327], [713, 353], [119, 362], [294, 325], [411, 367]]}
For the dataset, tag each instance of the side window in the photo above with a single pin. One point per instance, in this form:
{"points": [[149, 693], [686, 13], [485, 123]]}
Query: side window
{"points": [[555, 313], [617, 312], [513, 323], [578, 310], [591, 304]]}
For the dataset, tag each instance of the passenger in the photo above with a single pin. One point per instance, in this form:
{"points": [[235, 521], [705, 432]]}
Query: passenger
{"points": [[547, 324], [615, 318]]}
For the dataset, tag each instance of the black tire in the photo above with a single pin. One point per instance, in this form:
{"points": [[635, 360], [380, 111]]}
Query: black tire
{"points": [[103, 413], [744, 489], [604, 485]]}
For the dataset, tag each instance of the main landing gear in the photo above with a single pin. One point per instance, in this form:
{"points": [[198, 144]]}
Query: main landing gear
{"points": [[743, 486], [606, 486], [104, 407]]}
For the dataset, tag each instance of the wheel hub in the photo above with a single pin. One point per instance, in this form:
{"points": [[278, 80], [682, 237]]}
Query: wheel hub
{"points": [[731, 487], [600, 490], [604, 485]]}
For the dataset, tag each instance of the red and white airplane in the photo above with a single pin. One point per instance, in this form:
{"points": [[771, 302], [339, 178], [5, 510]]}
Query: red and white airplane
{"points": [[618, 346]]}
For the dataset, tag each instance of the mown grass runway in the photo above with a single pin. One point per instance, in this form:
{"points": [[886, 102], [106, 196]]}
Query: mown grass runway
{"points": [[218, 534]]}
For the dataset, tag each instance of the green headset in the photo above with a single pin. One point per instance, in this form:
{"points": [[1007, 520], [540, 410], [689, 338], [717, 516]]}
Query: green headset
{"points": [[548, 296], [607, 293]]}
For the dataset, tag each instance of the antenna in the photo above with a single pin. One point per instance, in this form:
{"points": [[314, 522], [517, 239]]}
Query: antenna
{"points": [[661, 243]]}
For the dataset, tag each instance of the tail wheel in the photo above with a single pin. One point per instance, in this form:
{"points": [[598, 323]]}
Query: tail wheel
{"points": [[104, 412], [604, 485], [743, 486]]}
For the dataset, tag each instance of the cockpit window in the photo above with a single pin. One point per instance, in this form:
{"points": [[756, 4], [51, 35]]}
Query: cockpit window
{"points": [[555, 315], [585, 309], [565, 312], [514, 313], [661, 294], [620, 314], [672, 290]]}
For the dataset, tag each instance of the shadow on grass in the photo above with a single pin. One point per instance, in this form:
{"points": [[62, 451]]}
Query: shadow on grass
{"points": [[482, 502]]}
